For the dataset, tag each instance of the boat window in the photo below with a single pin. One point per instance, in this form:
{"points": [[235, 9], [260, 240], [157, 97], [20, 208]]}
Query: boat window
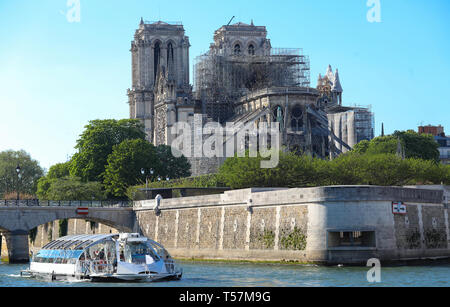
{"points": [[56, 256], [100, 258], [161, 251], [136, 252]]}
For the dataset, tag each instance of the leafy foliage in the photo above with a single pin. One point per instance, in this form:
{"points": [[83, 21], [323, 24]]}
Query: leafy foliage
{"points": [[419, 146], [96, 143], [294, 240], [32, 234], [63, 227], [30, 173], [125, 164], [59, 170], [348, 169], [172, 167], [130, 157], [267, 239], [70, 188]]}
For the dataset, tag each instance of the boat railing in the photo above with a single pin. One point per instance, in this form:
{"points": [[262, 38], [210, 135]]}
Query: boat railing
{"points": [[96, 267], [84, 267], [102, 267]]}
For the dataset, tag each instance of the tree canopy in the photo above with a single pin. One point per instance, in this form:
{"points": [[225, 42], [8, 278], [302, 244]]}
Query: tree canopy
{"points": [[96, 143], [125, 165], [353, 168], [30, 172], [172, 167], [132, 156], [59, 170], [420, 146], [72, 188], [111, 154]]}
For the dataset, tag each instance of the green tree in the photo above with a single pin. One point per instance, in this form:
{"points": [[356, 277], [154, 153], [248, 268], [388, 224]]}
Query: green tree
{"points": [[174, 167], [43, 186], [420, 146], [72, 188], [29, 174], [125, 165], [361, 147], [245, 172], [346, 169], [386, 170], [96, 143], [59, 170], [352, 168]]}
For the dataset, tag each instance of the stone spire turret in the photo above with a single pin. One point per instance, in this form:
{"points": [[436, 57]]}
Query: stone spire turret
{"points": [[337, 83]]}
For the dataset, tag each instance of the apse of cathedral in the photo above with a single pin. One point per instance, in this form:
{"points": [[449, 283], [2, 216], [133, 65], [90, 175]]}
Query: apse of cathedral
{"points": [[241, 80]]}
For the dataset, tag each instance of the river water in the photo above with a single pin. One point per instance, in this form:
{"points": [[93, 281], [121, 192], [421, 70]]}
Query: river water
{"points": [[213, 274]]}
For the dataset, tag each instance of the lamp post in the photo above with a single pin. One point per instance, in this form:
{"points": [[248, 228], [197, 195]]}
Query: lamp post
{"points": [[146, 179], [18, 181]]}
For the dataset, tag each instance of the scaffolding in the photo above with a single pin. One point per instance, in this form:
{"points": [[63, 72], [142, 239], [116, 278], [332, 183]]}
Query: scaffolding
{"points": [[219, 80], [352, 124]]}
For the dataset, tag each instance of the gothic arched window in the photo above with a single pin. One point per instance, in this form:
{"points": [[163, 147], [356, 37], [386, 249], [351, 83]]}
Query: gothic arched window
{"points": [[170, 61], [237, 49], [278, 115], [169, 54], [251, 50], [157, 54], [297, 118]]}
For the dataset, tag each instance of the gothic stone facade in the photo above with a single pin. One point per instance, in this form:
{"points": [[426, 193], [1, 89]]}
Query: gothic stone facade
{"points": [[225, 91]]}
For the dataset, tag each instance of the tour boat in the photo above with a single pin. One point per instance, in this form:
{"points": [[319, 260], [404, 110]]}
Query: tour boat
{"points": [[102, 258]]}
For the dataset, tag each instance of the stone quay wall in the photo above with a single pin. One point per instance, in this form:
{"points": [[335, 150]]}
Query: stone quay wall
{"points": [[341, 224], [328, 225]]}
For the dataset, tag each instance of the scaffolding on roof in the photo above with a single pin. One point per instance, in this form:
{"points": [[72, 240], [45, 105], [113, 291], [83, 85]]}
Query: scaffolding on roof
{"points": [[221, 79]]}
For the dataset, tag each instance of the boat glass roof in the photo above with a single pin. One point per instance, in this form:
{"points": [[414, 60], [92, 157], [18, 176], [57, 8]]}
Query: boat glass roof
{"points": [[76, 241], [62, 254]]}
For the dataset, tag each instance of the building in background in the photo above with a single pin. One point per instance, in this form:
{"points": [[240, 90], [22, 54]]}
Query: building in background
{"points": [[351, 124], [441, 139], [241, 80], [433, 130]]}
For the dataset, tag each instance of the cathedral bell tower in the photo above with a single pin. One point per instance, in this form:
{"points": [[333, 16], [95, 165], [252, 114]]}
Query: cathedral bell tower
{"points": [[160, 51]]}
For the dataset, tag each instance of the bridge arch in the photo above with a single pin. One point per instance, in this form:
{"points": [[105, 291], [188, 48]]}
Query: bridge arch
{"points": [[16, 223], [107, 222], [27, 218]]}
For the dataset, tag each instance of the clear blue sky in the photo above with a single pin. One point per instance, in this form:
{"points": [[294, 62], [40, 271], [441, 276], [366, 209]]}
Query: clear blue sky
{"points": [[55, 76]]}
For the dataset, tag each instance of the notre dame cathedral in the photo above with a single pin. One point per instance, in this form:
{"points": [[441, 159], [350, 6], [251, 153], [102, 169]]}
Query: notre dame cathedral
{"points": [[244, 80]]}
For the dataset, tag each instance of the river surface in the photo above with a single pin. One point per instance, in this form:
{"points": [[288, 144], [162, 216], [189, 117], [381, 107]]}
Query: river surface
{"points": [[213, 274]]}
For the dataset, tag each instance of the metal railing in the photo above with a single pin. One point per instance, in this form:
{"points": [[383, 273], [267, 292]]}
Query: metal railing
{"points": [[73, 203]]}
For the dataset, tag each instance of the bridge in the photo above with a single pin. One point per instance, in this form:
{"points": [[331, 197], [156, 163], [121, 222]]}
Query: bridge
{"points": [[17, 218]]}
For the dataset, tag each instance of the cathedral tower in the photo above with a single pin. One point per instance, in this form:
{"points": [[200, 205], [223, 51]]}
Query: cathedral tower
{"points": [[157, 48]]}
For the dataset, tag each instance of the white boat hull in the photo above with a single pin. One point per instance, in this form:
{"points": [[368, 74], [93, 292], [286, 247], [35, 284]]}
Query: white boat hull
{"points": [[104, 258]]}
